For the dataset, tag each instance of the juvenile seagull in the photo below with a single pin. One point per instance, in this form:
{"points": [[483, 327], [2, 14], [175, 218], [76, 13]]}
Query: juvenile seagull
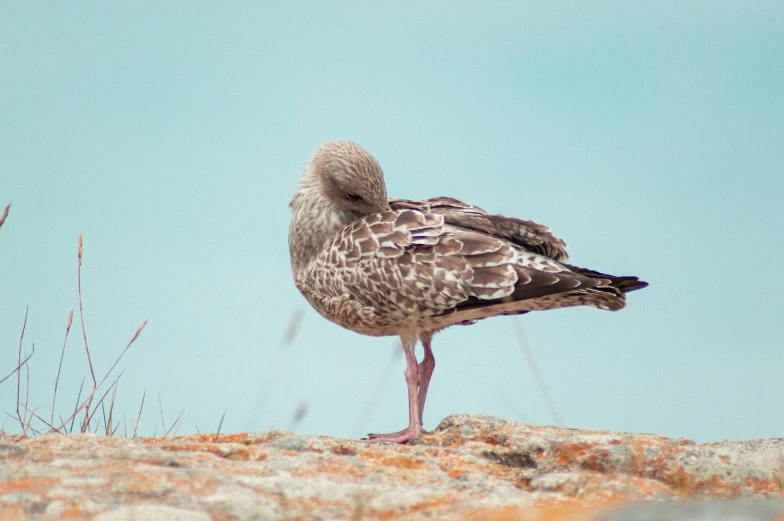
{"points": [[385, 267]]}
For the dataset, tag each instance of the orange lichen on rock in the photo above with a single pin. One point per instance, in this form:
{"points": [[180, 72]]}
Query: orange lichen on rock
{"points": [[573, 511], [468, 465]]}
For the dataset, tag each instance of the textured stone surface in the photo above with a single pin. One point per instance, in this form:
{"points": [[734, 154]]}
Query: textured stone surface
{"points": [[469, 468]]}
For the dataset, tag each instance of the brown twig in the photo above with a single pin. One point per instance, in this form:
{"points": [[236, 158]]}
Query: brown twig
{"points": [[5, 215], [59, 367], [95, 389]]}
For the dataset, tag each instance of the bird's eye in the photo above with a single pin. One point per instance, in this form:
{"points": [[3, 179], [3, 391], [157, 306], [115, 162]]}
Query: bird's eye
{"points": [[354, 197]]}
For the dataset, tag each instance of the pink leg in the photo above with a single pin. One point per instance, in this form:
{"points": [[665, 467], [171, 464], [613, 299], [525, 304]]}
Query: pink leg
{"points": [[414, 429], [425, 371]]}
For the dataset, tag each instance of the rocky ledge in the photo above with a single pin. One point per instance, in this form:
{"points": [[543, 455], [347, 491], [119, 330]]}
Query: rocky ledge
{"points": [[470, 467]]}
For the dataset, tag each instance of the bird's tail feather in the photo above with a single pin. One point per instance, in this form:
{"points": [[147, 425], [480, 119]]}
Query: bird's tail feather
{"points": [[623, 284]]}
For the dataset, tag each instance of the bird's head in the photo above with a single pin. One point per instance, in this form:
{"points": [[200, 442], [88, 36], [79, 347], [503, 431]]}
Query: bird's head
{"points": [[350, 177]]}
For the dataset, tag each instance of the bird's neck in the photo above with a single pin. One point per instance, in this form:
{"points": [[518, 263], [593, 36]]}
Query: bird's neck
{"points": [[315, 221]]}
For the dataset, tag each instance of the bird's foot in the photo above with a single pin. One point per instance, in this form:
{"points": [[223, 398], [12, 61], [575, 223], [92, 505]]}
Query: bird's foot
{"points": [[403, 436]]}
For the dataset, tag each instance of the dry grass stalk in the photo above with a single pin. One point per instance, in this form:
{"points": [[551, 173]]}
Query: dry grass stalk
{"points": [[34, 414], [18, 367], [543, 388], [160, 408], [73, 418], [99, 384], [176, 424], [299, 415], [374, 397], [139, 417], [262, 395], [19, 374], [81, 307], [107, 423], [293, 327], [59, 367], [26, 416], [85, 426], [220, 424], [27, 396], [5, 215]]}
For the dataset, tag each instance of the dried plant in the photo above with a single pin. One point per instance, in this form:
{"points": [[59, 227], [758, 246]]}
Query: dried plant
{"points": [[540, 381], [28, 418], [5, 215]]}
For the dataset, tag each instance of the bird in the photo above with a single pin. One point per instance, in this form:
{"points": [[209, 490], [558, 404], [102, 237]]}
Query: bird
{"points": [[381, 266]]}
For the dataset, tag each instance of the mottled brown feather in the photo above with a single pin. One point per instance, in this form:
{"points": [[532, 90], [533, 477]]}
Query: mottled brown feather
{"points": [[534, 237]]}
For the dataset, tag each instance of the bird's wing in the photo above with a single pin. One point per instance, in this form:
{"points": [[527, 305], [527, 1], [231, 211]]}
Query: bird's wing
{"points": [[532, 236], [416, 262]]}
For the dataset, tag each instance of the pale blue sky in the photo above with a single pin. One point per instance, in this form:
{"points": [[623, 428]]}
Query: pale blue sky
{"points": [[649, 136]]}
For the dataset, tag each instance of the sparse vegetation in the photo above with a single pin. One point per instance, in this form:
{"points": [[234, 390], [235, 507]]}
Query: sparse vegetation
{"points": [[96, 412], [96, 415]]}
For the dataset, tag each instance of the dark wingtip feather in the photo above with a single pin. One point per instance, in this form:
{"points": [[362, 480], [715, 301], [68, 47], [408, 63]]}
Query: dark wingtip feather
{"points": [[630, 284], [624, 284]]}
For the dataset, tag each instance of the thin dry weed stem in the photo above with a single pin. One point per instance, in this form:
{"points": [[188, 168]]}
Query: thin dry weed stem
{"points": [[293, 327], [37, 416], [108, 421], [29, 419], [27, 395], [273, 371], [19, 374], [179, 423], [534, 366], [59, 367], [18, 367], [139, 417], [100, 402], [81, 307], [5, 215], [220, 424], [73, 416], [374, 398], [160, 408], [176, 424], [299, 415], [95, 389]]}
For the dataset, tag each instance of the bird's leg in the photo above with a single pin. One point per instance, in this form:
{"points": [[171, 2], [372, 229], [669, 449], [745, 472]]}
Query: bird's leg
{"points": [[426, 368], [414, 429]]}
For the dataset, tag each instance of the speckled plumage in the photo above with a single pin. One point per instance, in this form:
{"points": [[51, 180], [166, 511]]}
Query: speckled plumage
{"points": [[380, 266]]}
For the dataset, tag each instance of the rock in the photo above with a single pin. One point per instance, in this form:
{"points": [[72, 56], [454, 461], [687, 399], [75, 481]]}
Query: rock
{"points": [[470, 467]]}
